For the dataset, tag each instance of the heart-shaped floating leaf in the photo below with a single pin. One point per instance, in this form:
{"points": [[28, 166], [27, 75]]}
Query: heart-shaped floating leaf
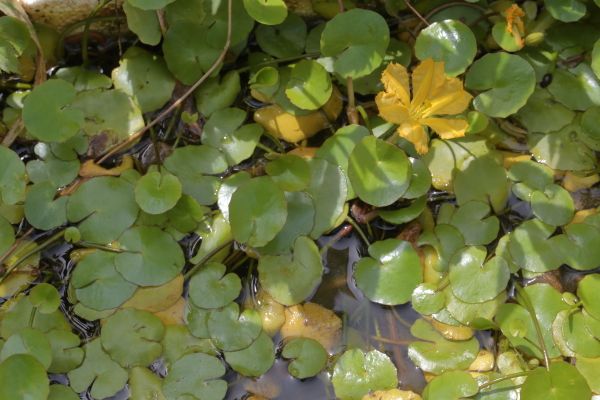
{"points": [[132, 337], [577, 88], [257, 211], [45, 298], [232, 331], [23, 377], [555, 116], [150, 256], [309, 357], [451, 385], [28, 341], [379, 172], [228, 187], [566, 10], [144, 23], [157, 192], [473, 280], [62, 392], [212, 288], [562, 381], [178, 341], [474, 315], [66, 353], [528, 177], [581, 246], [309, 86], [482, 179], [357, 39], [48, 113], [41, 210], [283, 40], [267, 12], [576, 336], [98, 370], [97, 283], [554, 205], [12, 177], [255, 360], [427, 300], [218, 93], [105, 206], [508, 81], [144, 77], [449, 41], [588, 292], [446, 240], [84, 79], [392, 274], [337, 148], [144, 384], [574, 154], [194, 376], [438, 354], [17, 317], [532, 249], [291, 279], [588, 367], [197, 321], [224, 131], [356, 374], [474, 221], [290, 172]]}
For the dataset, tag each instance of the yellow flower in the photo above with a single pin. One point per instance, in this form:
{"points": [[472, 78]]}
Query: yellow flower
{"points": [[433, 94], [514, 23]]}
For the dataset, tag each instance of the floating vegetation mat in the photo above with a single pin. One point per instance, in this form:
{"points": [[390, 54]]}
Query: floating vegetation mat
{"points": [[310, 199]]}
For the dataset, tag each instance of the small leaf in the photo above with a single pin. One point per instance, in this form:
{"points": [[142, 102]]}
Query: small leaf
{"points": [[309, 86], [232, 331], [562, 381], [12, 178], [267, 12], [309, 357], [45, 298], [41, 210], [255, 360], [143, 23], [194, 376], [566, 10], [22, 376], [212, 288], [451, 385], [283, 40], [28, 341], [157, 192], [217, 93]]}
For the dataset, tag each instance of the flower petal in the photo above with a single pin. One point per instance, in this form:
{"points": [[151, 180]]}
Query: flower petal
{"points": [[390, 108], [414, 133], [449, 98], [447, 128], [426, 77], [395, 81]]}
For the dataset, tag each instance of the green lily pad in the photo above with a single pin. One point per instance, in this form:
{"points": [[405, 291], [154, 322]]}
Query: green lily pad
{"points": [[482, 179], [451, 385], [197, 321], [66, 353], [17, 317], [588, 367], [562, 381], [427, 300], [48, 112], [290, 172], [449, 41], [475, 223], [405, 214], [554, 205], [105, 206], [157, 192], [309, 357], [504, 38], [232, 331], [45, 298], [144, 77], [576, 336], [309, 86], [150, 257], [290, 279], [562, 150], [255, 360], [257, 211], [132, 337], [588, 292], [530, 176], [446, 240], [144, 384], [566, 10], [62, 392], [99, 371], [84, 79], [531, 248], [507, 79], [391, 275], [578, 88], [144, 23], [194, 377], [420, 180], [267, 12], [581, 246], [97, 283], [28, 341], [41, 210], [192, 164], [475, 315], [358, 40], [543, 113], [12, 177], [51, 169], [590, 131], [228, 187], [286, 39], [379, 172], [23, 377], [437, 354], [217, 93], [178, 341], [224, 131], [357, 373], [473, 280], [212, 288]]}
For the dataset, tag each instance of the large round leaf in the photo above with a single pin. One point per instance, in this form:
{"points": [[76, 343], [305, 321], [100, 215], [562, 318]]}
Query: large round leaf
{"points": [[356, 374], [357, 39], [47, 112], [257, 211], [449, 41], [291, 279], [150, 256], [23, 377], [309, 86], [194, 376], [563, 381], [132, 337], [41, 210], [508, 81], [391, 275], [28, 341], [232, 331], [379, 172], [212, 288], [157, 192]]}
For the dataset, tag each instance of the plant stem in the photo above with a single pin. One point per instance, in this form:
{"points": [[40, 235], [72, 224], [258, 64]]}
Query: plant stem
{"points": [[527, 303], [13, 133], [204, 259], [416, 12], [503, 378], [181, 99], [356, 227]]}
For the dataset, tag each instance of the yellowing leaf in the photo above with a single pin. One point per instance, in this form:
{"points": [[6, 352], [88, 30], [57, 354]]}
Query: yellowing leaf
{"points": [[433, 95]]}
